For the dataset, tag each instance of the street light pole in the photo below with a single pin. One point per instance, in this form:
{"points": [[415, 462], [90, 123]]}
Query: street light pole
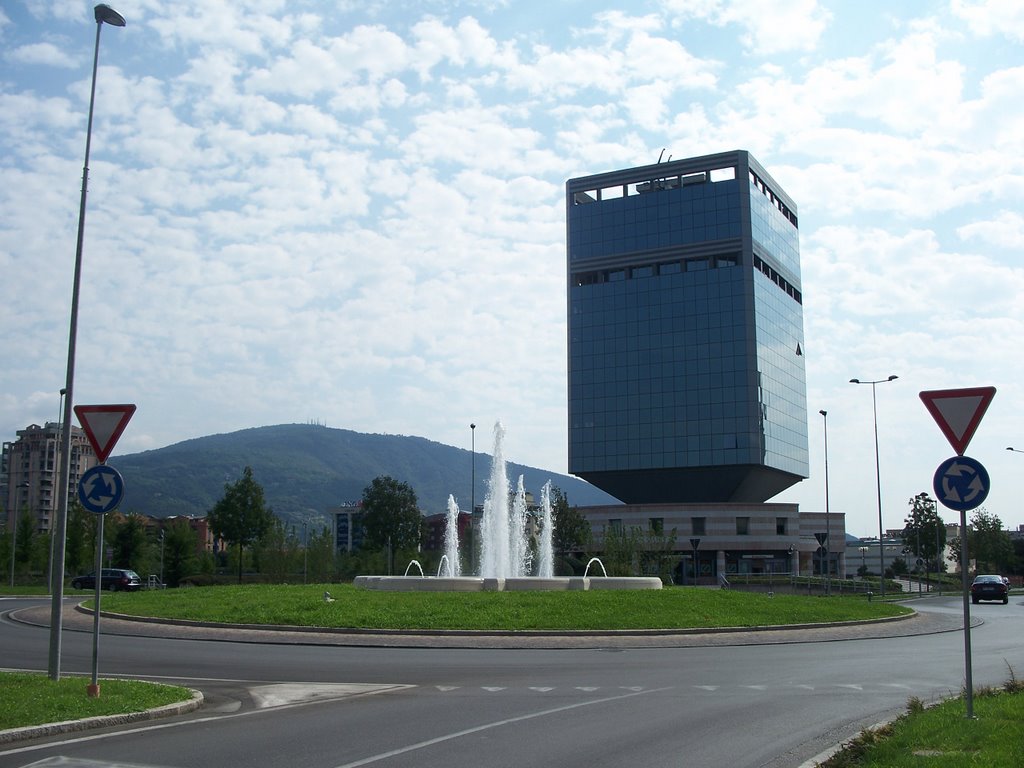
{"points": [[472, 498], [878, 481], [50, 576], [828, 528], [104, 14]]}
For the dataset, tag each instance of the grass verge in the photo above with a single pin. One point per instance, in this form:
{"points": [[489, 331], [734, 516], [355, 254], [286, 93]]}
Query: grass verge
{"points": [[670, 608], [943, 737], [29, 698]]}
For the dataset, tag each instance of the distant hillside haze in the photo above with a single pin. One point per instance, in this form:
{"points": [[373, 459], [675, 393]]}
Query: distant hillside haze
{"points": [[306, 469]]}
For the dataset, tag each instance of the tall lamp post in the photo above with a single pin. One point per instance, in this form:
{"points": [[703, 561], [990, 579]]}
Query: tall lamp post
{"points": [[472, 497], [53, 511], [828, 528], [103, 14], [878, 481]]}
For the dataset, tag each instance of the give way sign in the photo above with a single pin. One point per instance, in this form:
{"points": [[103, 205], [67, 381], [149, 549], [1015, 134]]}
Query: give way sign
{"points": [[103, 425], [958, 412]]}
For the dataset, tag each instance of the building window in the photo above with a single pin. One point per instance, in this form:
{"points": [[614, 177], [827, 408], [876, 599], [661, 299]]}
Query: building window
{"points": [[780, 526], [698, 526], [657, 525], [615, 525], [742, 526]]}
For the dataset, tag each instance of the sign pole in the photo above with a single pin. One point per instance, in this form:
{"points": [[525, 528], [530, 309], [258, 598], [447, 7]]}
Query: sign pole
{"points": [[964, 561], [93, 690], [961, 483]]}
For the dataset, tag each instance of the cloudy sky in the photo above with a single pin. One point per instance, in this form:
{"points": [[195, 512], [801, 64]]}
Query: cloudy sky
{"points": [[352, 213]]}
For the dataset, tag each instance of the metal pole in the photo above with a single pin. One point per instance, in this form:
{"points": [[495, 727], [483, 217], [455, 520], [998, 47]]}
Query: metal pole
{"points": [[51, 576], [94, 689], [828, 529], [878, 485], [102, 13], [965, 588], [472, 498], [878, 482]]}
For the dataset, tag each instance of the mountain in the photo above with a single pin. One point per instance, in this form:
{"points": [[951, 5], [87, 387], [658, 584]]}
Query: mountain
{"points": [[306, 469]]}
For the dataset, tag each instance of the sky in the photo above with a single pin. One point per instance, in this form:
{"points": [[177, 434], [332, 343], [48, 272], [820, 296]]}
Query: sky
{"points": [[352, 214]]}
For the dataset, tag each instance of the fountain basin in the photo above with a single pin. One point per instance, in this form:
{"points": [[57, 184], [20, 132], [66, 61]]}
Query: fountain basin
{"points": [[508, 584]]}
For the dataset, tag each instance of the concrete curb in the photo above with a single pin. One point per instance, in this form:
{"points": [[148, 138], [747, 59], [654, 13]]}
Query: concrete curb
{"points": [[101, 721], [624, 633]]}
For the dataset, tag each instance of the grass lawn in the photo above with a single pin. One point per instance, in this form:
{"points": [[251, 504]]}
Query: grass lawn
{"points": [[943, 737], [670, 608], [29, 698]]}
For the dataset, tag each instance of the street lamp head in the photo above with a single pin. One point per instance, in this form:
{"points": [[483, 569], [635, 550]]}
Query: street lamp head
{"points": [[855, 381], [472, 426], [823, 413], [107, 15], [892, 377]]}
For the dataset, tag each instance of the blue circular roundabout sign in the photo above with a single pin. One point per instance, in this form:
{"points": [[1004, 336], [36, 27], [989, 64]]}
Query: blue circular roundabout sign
{"points": [[101, 489], [961, 483]]}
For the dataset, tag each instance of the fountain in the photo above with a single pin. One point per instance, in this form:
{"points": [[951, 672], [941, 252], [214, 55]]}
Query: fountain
{"points": [[451, 540], [505, 556]]}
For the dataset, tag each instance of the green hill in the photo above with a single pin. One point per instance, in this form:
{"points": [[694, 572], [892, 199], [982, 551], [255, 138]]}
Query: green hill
{"points": [[305, 469]]}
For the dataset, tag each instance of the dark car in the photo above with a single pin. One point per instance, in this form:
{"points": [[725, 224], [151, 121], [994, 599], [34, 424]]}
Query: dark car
{"points": [[114, 579], [989, 588]]}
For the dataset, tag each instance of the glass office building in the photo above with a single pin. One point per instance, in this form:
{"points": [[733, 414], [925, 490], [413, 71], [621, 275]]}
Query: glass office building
{"points": [[685, 322]]}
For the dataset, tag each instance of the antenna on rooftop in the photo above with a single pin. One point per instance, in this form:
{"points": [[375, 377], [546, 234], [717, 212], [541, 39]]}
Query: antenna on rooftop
{"points": [[662, 154]]}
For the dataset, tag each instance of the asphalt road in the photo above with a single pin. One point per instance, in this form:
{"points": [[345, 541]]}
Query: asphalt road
{"points": [[748, 700]]}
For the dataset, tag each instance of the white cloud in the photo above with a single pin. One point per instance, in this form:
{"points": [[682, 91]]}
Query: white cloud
{"points": [[991, 17], [770, 26], [46, 54]]}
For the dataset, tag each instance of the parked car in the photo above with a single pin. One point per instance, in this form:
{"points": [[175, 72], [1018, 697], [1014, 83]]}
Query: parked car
{"points": [[989, 588], [114, 579]]}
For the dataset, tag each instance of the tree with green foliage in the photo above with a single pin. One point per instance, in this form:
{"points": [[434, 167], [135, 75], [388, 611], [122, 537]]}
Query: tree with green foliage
{"points": [[278, 552], [178, 552], [622, 546], [988, 545], [26, 534], [80, 546], [319, 556], [128, 540], [241, 516], [657, 554], [924, 533], [572, 531], [391, 516]]}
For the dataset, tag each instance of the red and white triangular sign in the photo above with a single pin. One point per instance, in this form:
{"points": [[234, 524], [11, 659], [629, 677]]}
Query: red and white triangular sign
{"points": [[103, 425], [958, 412]]}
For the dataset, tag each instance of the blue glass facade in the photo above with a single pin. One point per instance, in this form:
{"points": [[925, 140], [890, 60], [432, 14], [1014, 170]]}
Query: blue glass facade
{"points": [[686, 375]]}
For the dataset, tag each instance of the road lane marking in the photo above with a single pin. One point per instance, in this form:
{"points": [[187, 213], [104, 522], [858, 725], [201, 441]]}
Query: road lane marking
{"points": [[283, 694], [490, 726]]}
